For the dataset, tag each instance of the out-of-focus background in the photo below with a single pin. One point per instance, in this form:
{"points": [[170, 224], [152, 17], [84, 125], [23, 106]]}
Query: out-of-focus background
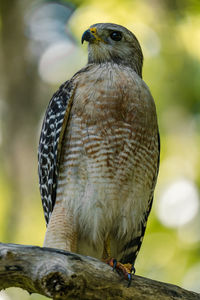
{"points": [[39, 49]]}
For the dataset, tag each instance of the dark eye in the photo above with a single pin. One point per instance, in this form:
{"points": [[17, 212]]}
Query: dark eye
{"points": [[116, 36]]}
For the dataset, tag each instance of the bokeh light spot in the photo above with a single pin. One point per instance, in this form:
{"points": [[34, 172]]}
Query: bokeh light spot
{"points": [[60, 61], [178, 203], [4, 296]]}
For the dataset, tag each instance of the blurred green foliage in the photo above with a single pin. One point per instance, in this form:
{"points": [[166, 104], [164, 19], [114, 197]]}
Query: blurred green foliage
{"points": [[169, 32]]}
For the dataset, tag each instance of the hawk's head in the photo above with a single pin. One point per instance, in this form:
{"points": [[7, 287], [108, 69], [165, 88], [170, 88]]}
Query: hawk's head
{"points": [[112, 42]]}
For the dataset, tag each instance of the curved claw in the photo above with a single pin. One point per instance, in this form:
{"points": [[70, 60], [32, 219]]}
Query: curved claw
{"points": [[114, 264], [129, 279], [133, 270]]}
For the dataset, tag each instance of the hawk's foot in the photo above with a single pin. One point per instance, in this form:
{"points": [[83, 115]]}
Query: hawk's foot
{"points": [[127, 270]]}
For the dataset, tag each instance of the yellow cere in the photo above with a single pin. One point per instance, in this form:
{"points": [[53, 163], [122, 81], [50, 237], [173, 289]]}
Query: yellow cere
{"points": [[93, 30]]}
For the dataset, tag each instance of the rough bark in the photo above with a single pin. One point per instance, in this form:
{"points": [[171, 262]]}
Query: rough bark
{"points": [[63, 275]]}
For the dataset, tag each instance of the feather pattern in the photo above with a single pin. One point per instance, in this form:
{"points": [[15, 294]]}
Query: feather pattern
{"points": [[48, 151]]}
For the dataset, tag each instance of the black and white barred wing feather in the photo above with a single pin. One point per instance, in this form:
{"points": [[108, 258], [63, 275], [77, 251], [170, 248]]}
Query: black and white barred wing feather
{"points": [[53, 127]]}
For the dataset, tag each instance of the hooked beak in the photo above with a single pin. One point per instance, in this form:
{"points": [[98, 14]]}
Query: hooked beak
{"points": [[91, 35], [87, 36]]}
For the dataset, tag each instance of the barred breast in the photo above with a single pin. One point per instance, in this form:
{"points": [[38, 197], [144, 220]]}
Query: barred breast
{"points": [[109, 157]]}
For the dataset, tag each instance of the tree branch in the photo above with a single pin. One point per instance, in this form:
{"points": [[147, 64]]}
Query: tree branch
{"points": [[63, 275]]}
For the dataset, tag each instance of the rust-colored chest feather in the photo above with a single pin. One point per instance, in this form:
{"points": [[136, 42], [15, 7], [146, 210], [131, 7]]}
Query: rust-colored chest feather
{"points": [[110, 91]]}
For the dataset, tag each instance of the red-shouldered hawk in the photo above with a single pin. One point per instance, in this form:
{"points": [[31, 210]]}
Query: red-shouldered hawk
{"points": [[99, 151]]}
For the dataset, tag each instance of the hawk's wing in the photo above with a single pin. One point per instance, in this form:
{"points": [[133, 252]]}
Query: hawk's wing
{"points": [[50, 143]]}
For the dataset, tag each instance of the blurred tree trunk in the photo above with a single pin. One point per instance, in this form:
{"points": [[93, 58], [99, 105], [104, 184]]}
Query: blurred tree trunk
{"points": [[20, 110]]}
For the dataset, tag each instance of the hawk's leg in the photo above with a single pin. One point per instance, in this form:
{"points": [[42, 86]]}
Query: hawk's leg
{"points": [[61, 232], [106, 250]]}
